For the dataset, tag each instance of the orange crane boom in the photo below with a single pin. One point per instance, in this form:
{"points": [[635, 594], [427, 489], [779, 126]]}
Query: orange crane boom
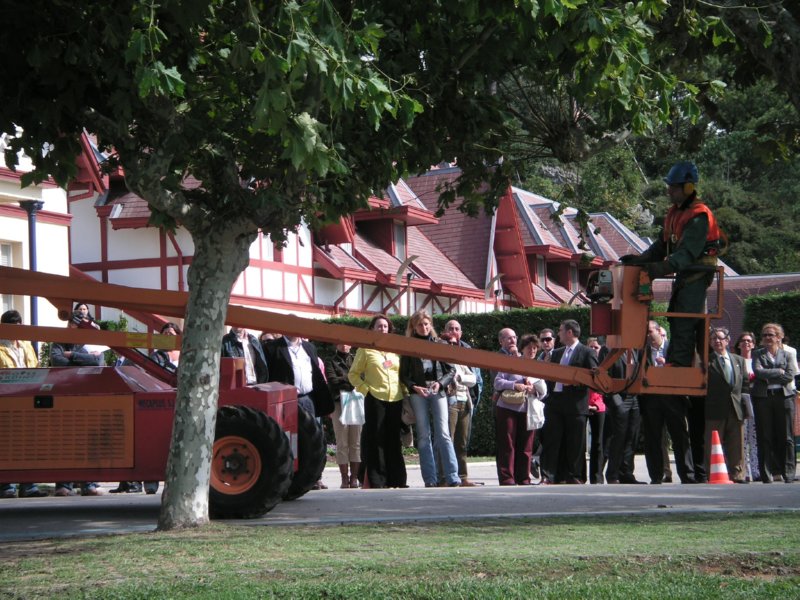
{"points": [[629, 318]]}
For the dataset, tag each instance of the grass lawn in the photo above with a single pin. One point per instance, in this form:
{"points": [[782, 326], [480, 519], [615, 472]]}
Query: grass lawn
{"points": [[670, 556]]}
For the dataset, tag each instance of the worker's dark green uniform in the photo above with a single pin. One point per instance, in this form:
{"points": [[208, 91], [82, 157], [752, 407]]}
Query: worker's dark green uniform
{"points": [[688, 290], [689, 240]]}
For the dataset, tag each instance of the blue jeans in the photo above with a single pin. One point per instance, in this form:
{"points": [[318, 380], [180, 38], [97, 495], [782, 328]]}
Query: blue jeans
{"points": [[438, 440]]}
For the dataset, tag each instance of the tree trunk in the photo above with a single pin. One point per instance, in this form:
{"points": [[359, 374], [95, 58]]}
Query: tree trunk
{"points": [[221, 254]]}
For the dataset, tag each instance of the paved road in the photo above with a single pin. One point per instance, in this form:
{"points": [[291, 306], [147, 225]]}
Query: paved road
{"points": [[39, 518]]}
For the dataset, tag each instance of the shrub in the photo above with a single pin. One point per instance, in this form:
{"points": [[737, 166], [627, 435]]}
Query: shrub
{"points": [[774, 307]]}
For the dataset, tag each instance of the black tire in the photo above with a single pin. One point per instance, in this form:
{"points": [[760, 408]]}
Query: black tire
{"points": [[264, 444], [310, 455]]}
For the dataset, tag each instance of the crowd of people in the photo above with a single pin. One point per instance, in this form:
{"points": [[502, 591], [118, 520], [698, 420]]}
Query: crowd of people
{"points": [[540, 426], [749, 390]]}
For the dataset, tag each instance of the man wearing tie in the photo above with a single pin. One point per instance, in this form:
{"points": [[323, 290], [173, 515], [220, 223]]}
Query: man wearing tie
{"points": [[566, 411], [724, 409]]}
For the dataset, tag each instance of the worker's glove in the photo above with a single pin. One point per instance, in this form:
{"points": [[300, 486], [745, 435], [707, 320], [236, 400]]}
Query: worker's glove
{"points": [[658, 269], [630, 259]]}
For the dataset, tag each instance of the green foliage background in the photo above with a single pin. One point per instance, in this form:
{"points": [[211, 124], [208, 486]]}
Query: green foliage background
{"points": [[774, 308]]}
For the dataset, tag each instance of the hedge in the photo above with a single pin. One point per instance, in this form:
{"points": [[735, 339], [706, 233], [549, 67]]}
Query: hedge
{"points": [[774, 307]]}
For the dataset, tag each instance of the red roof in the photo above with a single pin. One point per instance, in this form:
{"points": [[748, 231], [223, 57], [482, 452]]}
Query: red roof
{"points": [[129, 211], [462, 239], [434, 265], [376, 258]]}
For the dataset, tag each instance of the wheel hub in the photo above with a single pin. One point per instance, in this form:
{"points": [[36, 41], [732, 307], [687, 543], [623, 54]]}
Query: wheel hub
{"points": [[235, 466]]}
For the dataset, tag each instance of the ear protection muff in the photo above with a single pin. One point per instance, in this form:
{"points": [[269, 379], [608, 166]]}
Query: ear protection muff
{"points": [[688, 188]]}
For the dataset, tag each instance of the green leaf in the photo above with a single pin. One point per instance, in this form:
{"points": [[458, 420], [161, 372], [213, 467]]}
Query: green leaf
{"points": [[171, 80], [376, 86], [136, 47]]}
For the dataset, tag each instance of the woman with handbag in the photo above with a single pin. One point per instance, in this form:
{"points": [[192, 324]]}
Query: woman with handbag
{"points": [[375, 374], [348, 437], [426, 381], [514, 439]]}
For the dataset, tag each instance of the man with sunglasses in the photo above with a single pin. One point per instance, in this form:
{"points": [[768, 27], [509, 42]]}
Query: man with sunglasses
{"points": [[547, 339]]}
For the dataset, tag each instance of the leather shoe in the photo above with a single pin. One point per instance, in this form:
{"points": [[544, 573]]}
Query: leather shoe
{"points": [[740, 481], [631, 480], [613, 481], [91, 490]]}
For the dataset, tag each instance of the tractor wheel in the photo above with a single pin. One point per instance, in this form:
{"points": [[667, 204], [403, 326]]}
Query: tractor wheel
{"points": [[310, 455], [251, 464]]}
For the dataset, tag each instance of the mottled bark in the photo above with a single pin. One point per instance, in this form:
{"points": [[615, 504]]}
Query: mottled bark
{"points": [[221, 254]]}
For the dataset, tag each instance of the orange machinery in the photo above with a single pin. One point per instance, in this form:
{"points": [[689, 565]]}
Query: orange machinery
{"points": [[115, 423], [617, 312]]}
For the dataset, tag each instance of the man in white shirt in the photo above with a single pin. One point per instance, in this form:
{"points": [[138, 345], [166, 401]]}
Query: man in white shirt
{"points": [[566, 411]]}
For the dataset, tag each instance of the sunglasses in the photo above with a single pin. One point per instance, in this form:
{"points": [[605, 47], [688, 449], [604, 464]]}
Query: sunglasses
{"points": [[547, 339]]}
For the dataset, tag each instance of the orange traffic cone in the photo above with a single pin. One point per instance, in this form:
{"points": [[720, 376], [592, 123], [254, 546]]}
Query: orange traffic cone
{"points": [[718, 472]]}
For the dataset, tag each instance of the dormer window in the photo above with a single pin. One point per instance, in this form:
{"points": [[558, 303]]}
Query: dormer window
{"points": [[400, 246]]}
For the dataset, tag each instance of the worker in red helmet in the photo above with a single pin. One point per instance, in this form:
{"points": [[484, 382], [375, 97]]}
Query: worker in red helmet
{"points": [[688, 247]]}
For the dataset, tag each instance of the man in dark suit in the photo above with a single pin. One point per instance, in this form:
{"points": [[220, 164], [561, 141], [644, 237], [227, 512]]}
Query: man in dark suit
{"points": [[239, 343], [624, 421], [727, 381], [294, 361], [660, 410], [566, 410]]}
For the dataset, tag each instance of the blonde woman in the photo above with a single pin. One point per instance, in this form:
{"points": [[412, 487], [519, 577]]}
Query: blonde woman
{"points": [[426, 381], [773, 403]]}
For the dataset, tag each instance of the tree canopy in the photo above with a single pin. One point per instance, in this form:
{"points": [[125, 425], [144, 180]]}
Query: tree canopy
{"points": [[232, 116]]}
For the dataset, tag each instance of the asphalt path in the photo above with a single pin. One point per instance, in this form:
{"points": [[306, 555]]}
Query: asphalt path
{"points": [[51, 517]]}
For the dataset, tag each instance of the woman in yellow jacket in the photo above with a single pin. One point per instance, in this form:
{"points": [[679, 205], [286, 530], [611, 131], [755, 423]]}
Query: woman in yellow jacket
{"points": [[375, 374]]}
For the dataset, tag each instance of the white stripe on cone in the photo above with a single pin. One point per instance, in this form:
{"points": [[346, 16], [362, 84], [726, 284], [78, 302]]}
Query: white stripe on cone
{"points": [[719, 472]]}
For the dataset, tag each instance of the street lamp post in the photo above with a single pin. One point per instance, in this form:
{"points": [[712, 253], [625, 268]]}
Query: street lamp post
{"points": [[32, 207]]}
